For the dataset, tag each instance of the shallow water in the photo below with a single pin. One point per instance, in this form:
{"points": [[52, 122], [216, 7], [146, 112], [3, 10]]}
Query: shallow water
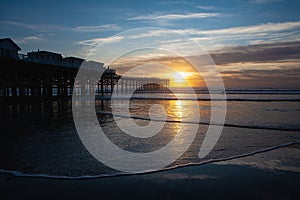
{"points": [[40, 137]]}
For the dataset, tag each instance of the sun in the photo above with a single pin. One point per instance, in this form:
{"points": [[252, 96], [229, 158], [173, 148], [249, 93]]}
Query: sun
{"points": [[180, 79], [180, 76]]}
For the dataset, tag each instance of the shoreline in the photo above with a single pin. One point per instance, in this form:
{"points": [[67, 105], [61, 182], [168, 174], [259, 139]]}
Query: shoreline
{"points": [[17, 174], [213, 181]]}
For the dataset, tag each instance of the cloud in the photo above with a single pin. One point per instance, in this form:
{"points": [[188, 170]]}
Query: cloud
{"points": [[175, 16], [261, 52], [284, 76], [230, 32], [269, 27], [174, 2], [258, 53], [268, 65], [36, 27], [50, 28], [32, 38], [29, 39], [240, 30], [96, 41], [23, 25], [216, 38], [100, 28], [264, 1], [206, 7]]}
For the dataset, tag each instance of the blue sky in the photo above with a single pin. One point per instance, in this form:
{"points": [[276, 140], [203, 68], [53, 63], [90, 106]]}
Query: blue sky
{"points": [[62, 25], [253, 42]]}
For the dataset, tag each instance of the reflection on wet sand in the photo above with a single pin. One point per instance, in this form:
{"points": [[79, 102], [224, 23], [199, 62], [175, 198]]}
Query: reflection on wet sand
{"points": [[38, 135], [284, 159]]}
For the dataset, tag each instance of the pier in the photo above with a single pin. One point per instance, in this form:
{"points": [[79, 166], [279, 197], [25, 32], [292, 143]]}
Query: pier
{"points": [[46, 74], [20, 78]]}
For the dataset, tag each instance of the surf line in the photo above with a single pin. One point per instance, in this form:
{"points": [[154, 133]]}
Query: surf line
{"points": [[84, 177], [196, 99], [203, 123]]}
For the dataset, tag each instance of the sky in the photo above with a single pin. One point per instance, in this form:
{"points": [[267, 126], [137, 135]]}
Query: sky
{"points": [[252, 42]]}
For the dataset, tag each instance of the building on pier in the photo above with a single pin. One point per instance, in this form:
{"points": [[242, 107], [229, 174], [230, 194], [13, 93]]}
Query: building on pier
{"points": [[93, 65], [72, 61], [44, 57], [110, 71], [8, 48]]}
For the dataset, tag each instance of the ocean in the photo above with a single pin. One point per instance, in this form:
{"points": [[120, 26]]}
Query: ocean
{"points": [[39, 138]]}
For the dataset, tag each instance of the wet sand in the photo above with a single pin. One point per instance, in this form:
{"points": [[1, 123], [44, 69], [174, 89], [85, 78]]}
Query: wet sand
{"points": [[41, 138], [270, 175]]}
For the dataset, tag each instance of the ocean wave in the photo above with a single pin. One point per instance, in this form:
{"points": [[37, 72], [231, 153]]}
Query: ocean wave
{"points": [[16, 173], [171, 98], [204, 123]]}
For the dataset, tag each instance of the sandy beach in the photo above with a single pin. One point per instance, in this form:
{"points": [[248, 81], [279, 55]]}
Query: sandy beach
{"points": [[270, 175]]}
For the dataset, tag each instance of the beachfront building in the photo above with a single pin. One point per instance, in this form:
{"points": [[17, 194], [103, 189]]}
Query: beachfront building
{"points": [[45, 57], [8, 48], [72, 61], [93, 65], [110, 71]]}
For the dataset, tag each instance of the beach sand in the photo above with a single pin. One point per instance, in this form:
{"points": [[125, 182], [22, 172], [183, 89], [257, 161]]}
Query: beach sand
{"points": [[270, 175]]}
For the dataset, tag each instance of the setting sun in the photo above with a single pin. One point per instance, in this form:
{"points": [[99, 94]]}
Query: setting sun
{"points": [[180, 76], [180, 79]]}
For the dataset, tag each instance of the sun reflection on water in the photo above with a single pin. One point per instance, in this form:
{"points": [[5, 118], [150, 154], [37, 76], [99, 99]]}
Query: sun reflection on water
{"points": [[175, 109]]}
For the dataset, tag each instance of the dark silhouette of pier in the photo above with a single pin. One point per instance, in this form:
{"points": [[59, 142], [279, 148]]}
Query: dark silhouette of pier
{"points": [[48, 74], [19, 78]]}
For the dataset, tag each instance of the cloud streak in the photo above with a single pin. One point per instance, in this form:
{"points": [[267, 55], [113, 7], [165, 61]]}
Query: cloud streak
{"points": [[206, 7], [264, 1], [35, 27], [175, 16], [29, 39], [96, 41], [100, 28], [248, 30], [51, 28], [262, 28], [215, 38], [258, 53]]}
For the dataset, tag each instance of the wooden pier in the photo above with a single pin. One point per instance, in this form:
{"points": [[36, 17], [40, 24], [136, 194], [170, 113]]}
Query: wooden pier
{"points": [[19, 78]]}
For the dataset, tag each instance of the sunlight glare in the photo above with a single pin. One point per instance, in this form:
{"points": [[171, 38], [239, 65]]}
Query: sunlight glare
{"points": [[180, 79]]}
